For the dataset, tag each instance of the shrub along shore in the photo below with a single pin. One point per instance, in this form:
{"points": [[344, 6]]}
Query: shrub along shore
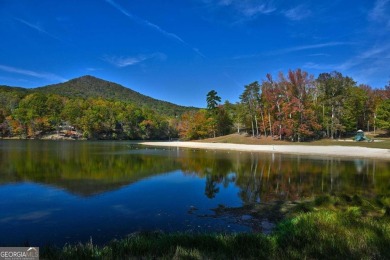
{"points": [[329, 226]]}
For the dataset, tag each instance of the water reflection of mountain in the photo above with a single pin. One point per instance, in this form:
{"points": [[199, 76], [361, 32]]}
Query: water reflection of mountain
{"points": [[82, 168], [88, 168]]}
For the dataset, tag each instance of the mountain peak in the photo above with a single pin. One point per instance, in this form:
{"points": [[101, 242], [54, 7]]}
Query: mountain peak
{"points": [[87, 77], [88, 86]]}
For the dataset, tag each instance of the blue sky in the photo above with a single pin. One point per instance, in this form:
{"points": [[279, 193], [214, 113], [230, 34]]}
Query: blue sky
{"points": [[178, 50]]}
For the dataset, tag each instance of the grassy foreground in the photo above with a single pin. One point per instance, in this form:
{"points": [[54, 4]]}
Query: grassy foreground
{"points": [[335, 227]]}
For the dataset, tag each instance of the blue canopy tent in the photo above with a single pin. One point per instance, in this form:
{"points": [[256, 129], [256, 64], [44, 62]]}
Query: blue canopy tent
{"points": [[360, 136]]}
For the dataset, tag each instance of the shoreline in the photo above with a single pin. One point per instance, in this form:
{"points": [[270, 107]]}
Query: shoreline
{"points": [[332, 151]]}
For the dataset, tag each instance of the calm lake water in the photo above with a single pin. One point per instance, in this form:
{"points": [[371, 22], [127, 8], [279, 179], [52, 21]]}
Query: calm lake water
{"points": [[56, 192]]}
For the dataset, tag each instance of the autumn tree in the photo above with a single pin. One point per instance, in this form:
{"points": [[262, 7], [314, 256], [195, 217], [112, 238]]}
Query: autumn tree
{"points": [[194, 125], [270, 103], [301, 86], [289, 105], [296, 105], [32, 114]]}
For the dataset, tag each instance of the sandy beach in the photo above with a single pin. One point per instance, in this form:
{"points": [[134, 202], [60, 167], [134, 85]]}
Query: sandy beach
{"points": [[338, 151]]}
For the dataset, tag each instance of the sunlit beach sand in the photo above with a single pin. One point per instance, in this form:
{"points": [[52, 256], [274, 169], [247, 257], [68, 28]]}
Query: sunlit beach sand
{"points": [[339, 151]]}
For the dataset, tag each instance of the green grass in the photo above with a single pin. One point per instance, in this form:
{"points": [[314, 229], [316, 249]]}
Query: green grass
{"points": [[168, 246], [342, 235], [335, 227]]}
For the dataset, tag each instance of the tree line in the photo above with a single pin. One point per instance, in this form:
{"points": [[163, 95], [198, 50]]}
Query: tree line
{"points": [[35, 114], [294, 107]]}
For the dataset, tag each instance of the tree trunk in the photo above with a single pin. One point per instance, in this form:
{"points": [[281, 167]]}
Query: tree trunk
{"points": [[325, 121], [257, 126], [332, 126], [280, 132], [253, 130], [262, 119], [280, 121], [270, 125]]}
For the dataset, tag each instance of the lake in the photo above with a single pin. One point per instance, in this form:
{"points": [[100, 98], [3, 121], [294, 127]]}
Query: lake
{"points": [[57, 192]]}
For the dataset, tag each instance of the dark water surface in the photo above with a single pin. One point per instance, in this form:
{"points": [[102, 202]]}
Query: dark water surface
{"points": [[67, 192]]}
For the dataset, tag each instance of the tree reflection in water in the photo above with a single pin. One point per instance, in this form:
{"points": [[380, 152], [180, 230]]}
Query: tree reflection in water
{"points": [[88, 168], [269, 177]]}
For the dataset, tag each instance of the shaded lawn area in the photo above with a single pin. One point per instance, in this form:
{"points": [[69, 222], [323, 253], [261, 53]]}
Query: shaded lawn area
{"points": [[379, 142]]}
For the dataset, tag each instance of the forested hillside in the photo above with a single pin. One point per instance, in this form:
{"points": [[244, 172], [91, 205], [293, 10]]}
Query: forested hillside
{"points": [[91, 87], [86, 107], [293, 107]]}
